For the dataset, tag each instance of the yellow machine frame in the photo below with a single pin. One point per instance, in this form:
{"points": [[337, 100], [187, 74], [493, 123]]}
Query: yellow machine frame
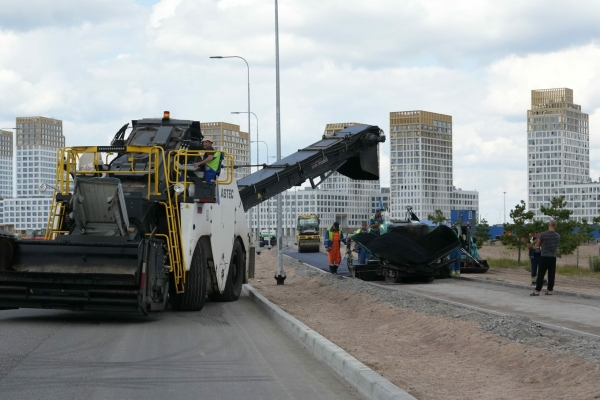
{"points": [[67, 159]]}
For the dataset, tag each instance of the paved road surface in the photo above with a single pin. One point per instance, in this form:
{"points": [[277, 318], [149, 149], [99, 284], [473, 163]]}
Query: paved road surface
{"points": [[570, 312], [318, 260], [226, 351]]}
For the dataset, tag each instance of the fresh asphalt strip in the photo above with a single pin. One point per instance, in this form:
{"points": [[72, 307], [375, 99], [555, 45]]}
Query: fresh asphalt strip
{"points": [[516, 285], [369, 384], [552, 327]]}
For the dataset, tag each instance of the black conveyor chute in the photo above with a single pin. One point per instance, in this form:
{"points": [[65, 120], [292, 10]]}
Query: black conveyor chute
{"points": [[351, 151]]}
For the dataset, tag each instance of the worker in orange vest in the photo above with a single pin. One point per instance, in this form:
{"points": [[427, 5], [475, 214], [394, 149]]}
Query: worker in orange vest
{"points": [[333, 239]]}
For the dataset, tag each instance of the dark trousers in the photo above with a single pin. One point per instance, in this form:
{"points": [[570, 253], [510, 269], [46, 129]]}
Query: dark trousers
{"points": [[535, 262], [546, 264]]}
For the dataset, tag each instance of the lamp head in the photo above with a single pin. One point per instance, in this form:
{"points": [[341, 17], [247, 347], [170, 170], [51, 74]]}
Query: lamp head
{"points": [[178, 188]]}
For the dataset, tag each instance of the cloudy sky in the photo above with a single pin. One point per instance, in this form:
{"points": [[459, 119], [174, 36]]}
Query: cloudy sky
{"points": [[97, 64]]}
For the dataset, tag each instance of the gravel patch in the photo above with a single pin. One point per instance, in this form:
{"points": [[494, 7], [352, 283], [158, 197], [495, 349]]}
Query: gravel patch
{"points": [[516, 328]]}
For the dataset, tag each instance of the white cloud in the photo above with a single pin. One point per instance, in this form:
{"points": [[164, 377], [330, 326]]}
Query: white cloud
{"points": [[341, 61]]}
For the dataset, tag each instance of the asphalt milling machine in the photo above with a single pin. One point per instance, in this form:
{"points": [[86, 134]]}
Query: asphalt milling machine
{"points": [[134, 226], [405, 249]]}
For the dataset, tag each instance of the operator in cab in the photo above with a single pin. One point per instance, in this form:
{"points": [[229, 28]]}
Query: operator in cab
{"points": [[209, 163]]}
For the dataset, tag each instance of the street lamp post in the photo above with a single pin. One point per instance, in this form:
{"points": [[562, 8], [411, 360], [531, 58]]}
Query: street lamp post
{"points": [[504, 207], [280, 274], [257, 162], [248, 68], [265, 143]]}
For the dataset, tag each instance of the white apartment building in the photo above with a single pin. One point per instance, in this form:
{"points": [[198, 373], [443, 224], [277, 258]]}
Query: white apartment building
{"points": [[229, 138], [6, 164], [464, 200], [329, 205], [421, 166], [38, 139], [558, 159]]}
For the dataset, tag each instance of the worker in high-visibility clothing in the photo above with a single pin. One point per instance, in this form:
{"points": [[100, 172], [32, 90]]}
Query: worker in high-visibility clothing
{"points": [[376, 222], [333, 239], [362, 253], [209, 163]]}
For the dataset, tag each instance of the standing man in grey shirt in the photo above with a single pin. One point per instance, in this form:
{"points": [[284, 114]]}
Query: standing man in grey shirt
{"points": [[548, 241]]}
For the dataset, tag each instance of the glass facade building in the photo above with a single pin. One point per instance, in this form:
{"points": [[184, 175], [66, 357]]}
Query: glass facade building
{"points": [[421, 165], [37, 142], [558, 154]]}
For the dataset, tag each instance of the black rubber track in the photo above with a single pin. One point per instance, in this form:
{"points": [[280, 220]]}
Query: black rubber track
{"points": [[235, 276], [195, 286]]}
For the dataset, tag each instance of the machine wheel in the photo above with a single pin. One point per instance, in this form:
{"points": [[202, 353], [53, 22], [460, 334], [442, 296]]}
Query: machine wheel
{"points": [[235, 276], [195, 287], [6, 254], [352, 272], [443, 273], [300, 249]]}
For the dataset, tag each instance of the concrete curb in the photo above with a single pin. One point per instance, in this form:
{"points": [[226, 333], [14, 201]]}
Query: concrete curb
{"points": [[516, 285], [369, 384]]}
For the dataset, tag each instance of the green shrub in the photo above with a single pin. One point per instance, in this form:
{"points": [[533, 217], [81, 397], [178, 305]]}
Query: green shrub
{"points": [[594, 262], [503, 263]]}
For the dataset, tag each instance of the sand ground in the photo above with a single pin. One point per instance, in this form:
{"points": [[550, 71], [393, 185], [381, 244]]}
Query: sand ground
{"points": [[430, 357]]}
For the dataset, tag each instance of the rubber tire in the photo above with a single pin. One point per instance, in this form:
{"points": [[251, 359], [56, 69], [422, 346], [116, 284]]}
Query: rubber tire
{"points": [[443, 273], [6, 254], [195, 286], [235, 276]]}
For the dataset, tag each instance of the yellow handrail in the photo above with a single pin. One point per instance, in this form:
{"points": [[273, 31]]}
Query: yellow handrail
{"points": [[67, 160]]}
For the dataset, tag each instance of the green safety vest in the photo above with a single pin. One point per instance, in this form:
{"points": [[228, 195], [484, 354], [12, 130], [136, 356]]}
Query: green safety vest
{"points": [[214, 163]]}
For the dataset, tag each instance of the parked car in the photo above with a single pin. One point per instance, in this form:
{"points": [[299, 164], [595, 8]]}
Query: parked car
{"points": [[266, 238]]}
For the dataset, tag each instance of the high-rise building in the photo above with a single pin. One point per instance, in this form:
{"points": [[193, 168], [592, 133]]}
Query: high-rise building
{"points": [[420, 162], [421, 168], [6, 164], [38, 139], [229, 138], [558, 160]]}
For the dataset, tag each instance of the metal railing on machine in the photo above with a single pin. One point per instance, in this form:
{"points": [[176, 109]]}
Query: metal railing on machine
{"points": [[67, 162], [181, 165]]}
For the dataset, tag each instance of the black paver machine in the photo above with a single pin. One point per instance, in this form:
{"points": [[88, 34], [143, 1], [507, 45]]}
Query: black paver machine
{"points": [[407, 249]]}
